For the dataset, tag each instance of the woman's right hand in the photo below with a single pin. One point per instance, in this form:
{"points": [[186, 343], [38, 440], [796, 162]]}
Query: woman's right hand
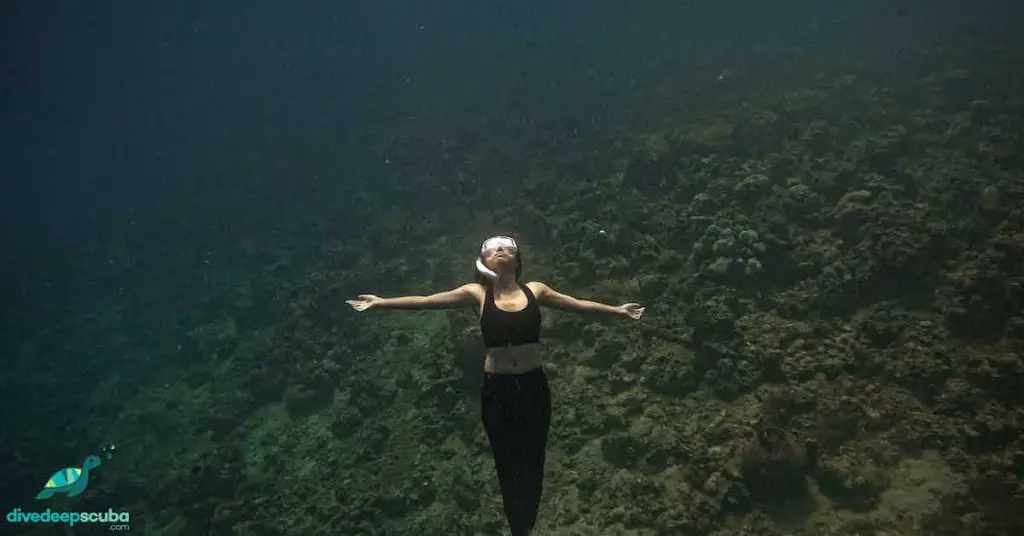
{"points": [[365, 301]]}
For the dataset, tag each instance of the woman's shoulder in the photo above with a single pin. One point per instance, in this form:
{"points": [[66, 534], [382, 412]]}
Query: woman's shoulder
{"points": [[476, 289], [536, 286]]}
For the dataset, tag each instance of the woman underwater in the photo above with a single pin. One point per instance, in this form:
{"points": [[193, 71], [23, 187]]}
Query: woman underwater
{"points": [[515, 400]]}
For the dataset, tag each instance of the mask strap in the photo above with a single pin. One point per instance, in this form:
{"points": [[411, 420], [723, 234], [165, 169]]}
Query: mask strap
{"points": [[487, 272]]}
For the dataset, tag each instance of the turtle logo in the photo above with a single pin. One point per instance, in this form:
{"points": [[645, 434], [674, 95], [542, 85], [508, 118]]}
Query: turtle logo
{"points": [[70, 481]]}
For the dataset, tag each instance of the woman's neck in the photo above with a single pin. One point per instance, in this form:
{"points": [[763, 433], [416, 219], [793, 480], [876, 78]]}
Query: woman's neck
{"points": [[505, 282]]}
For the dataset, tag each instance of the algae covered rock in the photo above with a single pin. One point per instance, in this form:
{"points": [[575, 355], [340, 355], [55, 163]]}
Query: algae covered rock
{"points": [[729, 377], [303, 399], [623, 450], [774, 465], [851, 479]]}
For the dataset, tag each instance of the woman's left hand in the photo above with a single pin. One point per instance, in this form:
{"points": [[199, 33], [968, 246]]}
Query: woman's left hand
{"points": [[632, 310]]}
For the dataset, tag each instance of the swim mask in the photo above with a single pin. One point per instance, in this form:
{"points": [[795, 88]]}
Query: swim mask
{"points": [[492, 243]]}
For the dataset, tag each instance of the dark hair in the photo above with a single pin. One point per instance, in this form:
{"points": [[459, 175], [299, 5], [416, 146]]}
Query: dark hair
{"points": [[482, 279]]}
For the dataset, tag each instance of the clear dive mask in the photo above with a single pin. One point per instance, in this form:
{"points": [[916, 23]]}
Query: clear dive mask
{"points": [[499, 241]]}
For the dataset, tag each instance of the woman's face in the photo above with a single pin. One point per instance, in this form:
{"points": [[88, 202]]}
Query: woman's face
{"points": [[499, 254]]}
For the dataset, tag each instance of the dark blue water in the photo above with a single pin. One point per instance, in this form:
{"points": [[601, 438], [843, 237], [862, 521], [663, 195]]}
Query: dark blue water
{"points": [[173, 177]]}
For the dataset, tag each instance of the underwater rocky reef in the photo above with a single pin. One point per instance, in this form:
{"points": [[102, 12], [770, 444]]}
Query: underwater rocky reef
{"points": [[834, 276]]}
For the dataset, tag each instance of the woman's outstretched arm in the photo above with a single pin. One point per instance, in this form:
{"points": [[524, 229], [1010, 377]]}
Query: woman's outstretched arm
{"points": [[456, 297], [552, 298]]}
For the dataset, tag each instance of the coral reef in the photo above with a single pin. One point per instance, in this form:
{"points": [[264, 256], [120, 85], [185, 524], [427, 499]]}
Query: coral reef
{"points": [[774, 465], [836, 278], [851, 479]]}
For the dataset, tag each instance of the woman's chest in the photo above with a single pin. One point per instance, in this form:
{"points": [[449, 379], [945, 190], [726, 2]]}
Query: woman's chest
{"points": [[511, 304]]}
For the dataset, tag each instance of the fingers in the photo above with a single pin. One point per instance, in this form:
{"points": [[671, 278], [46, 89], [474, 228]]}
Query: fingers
{"points": [[634, 310], [358, 305]]}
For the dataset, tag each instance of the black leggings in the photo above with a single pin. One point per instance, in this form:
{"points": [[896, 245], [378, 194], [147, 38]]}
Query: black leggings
{"points": [[516, 410]]}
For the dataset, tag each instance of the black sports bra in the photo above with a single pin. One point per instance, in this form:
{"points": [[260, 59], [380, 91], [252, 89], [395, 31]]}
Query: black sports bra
{"points": [[510, 328]]}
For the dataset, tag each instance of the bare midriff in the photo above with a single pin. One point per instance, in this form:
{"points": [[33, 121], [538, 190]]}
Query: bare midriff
{"points": [[513, 359]]}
